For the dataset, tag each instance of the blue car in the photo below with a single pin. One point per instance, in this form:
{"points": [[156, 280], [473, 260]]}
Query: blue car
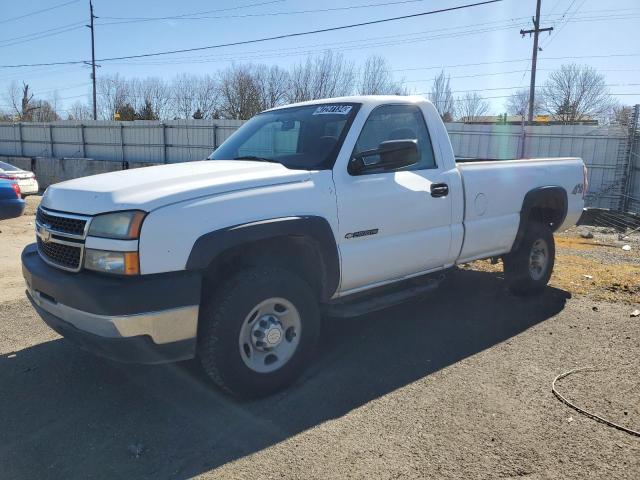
{"points": [[11, 202]]}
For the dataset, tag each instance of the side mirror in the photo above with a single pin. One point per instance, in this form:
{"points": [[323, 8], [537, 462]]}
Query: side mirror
{"points": [[393, 154]]}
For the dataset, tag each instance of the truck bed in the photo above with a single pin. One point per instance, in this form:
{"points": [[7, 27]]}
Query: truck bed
{"points": [[494, 192]]}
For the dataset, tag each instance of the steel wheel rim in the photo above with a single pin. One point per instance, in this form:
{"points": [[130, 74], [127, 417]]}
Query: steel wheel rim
{"points": [[270, 335], [538, 259]]}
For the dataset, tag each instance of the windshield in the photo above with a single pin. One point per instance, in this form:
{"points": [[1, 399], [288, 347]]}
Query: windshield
{"points": [[8, 168], [306, 137]]}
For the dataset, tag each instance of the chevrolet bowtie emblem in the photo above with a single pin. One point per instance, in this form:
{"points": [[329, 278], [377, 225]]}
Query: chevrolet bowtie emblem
{"points": [[45, 235]]}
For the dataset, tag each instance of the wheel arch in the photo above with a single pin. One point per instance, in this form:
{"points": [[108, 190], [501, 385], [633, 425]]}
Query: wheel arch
{"points": [[547, 204], [305, 244]]}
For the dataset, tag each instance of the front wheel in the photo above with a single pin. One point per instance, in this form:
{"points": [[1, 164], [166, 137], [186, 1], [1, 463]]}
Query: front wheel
{"points": [[258, 331], [528, 269]]}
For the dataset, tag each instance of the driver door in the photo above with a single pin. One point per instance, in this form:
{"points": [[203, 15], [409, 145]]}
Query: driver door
{"points": [[392, 224]]}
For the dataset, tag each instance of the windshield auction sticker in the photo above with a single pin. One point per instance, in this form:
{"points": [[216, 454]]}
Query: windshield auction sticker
{"points": [[333, 109]]}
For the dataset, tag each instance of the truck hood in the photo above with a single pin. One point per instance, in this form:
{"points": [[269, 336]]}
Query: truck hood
{"points": [[149, 188]]}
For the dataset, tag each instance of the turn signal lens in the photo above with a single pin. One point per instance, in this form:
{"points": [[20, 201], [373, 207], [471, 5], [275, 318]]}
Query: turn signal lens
{"points": [[131, 263]]}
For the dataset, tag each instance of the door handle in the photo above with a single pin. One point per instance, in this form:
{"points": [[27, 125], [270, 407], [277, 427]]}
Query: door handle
{"points": [[439, 189]]}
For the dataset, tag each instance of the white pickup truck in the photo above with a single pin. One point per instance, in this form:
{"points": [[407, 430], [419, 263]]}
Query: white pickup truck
{"points": [[338, 206]]}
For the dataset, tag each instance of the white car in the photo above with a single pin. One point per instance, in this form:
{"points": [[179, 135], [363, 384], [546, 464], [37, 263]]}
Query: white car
{"points": [[26, 180], [340, 206]]}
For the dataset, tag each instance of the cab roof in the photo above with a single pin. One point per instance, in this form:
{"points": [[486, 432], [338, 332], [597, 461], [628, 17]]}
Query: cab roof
{"points": [[371, 100]]}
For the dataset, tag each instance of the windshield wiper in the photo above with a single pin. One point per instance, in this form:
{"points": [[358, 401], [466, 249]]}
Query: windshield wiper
{"points": [[257, 159]]}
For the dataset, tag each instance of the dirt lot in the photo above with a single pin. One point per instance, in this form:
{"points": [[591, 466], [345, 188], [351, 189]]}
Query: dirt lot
{"points": [[457, 385]]}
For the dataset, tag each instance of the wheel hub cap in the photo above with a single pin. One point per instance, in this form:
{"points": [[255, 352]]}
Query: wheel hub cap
{"points": [[270, 335], [267, 333], [538, 259]]}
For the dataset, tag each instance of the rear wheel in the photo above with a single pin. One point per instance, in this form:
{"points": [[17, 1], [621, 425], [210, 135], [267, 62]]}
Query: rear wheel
{"points": [[258, 331], [528, 269]]}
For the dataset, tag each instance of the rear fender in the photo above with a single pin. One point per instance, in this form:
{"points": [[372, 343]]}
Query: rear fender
{"points": [[551, 199]]}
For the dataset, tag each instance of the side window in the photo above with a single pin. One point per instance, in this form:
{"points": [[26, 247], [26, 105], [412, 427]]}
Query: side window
{"points": [[397, 122], [273, 140]]}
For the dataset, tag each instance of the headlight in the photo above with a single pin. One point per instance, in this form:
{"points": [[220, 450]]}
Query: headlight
{"points": [[119, 225], [123, 263]]}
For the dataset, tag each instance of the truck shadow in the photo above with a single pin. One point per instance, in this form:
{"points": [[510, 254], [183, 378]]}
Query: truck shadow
{"points": [[67, 414]]}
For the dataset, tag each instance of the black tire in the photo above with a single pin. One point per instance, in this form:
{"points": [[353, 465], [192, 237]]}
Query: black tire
{"points": [[223, 315], [520, 277]]}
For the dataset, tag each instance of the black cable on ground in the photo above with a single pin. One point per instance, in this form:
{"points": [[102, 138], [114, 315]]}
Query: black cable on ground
{"points": [[583, 411]]}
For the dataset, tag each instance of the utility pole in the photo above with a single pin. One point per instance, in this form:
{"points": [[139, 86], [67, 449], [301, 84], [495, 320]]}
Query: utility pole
{"points": [[93, 60], [534, 59]]}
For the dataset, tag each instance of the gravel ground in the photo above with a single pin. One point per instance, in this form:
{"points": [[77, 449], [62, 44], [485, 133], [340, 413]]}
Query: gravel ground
{"points": [[456, 385]]}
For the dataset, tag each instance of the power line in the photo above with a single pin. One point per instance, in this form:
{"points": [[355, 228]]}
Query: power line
{"points": [[36, 12], [568, 19], [40, 32], [35, 36], [298, 34], [173, 17], [514, 61], [264, 39], [296, 51], [58, 89], [196, 16], [261, 53], [265, 14], [467, 76]]}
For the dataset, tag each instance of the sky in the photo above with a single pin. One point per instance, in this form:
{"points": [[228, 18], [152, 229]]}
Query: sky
{"points": [[480, 48]]}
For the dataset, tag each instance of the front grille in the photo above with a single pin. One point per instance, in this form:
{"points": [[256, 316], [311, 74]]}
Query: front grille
{"points": [[63, 255], [64, 224]]}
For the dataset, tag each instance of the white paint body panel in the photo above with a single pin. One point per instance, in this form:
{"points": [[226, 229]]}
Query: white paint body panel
{"points": [[491, 224], [154, 187], [417, 233], [168, 233], [415, 230]]}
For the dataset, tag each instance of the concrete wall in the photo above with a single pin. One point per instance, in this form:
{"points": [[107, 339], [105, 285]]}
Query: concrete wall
{"points": [[53, 170]]}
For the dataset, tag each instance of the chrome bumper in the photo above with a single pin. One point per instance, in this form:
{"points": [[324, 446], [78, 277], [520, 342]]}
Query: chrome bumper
{"points": [[166, 326]]}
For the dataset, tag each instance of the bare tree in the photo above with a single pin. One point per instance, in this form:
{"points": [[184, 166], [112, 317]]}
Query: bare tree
{"points": [[322, 76], [376, 78], [576, 92], [151, 94], [273, 83], [240, 92], [183, 95], [207, 97], [80, 111], [471, 106], [442, 98], [621, 115], [44, 111], [518, 104], [27, 109], [113, 93], [21, 101]]}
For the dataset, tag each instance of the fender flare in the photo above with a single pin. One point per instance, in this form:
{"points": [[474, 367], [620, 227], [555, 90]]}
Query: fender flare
{"points": [[210, 245], [553, 196]]}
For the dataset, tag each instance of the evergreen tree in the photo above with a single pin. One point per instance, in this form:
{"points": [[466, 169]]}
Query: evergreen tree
{"points": [[146, 112], [126, 112]]}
